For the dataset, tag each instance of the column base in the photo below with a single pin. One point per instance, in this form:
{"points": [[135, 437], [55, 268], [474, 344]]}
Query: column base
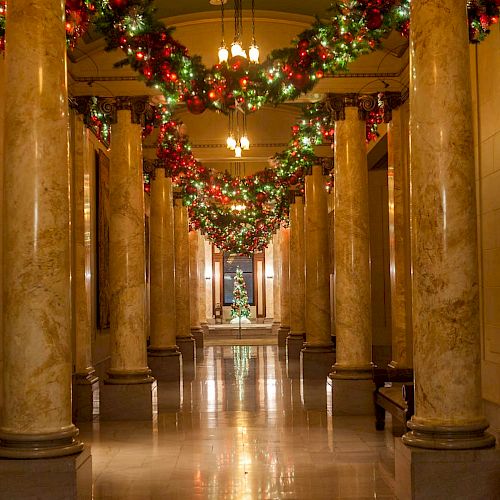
{"points": [[313, 394], [187, 346], [63, 478], [199, 336], [283, 332], [294, 344], [57, 444], [352, 397], [458, 474], [316, 361], [127, 401], [165, 363], [439, 437], [85, 394], [276, 326]]}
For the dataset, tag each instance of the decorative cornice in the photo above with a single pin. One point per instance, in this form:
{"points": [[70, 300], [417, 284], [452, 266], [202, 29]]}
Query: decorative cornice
{"points": [[366, 103]]}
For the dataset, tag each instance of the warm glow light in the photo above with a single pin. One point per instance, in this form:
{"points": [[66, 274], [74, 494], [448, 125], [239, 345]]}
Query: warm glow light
{"points": [[244, 142], [237, 151], [223, 54], [231, 142], [236, 49], [238, 208], [253, 53]]}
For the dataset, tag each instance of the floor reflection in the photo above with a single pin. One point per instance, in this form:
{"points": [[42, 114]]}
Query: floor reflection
{"points": [[241, 430]]}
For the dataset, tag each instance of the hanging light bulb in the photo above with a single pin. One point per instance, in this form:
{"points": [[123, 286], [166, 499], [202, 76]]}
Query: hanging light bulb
{"points": [[237, 151], [223, 54], [231, 142], [244, 142], [253, 53], [236, 49]]}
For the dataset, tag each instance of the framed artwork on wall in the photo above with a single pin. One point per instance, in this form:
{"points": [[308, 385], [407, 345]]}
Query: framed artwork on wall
{"points": [[103, 218]]}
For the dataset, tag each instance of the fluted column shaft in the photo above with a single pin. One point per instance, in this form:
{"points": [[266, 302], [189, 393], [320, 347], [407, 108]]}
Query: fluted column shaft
{"points": [[448, 406], [162, 265], [127, 254], [182, 293], [36, 417], [352, 250], [399, 238], [297, 269]]}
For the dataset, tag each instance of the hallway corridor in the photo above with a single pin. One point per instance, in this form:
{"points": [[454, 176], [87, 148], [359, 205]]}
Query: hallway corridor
{"points": [[241, 430]]}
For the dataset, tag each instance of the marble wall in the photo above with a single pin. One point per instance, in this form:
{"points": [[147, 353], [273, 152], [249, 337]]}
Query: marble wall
{"points": [[485, 64]]}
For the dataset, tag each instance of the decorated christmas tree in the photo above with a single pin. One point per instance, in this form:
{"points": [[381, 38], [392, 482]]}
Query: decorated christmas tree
{"points": [[240, 307]]}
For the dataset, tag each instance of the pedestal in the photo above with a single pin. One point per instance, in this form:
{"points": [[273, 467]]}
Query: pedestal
{"points": [[64, 478], [166, 365], [199, 337], [283, 332], [85, 391], [294, 344], [466, 474], [187, 346], [127, 401], [315, 362], [352, 397]]}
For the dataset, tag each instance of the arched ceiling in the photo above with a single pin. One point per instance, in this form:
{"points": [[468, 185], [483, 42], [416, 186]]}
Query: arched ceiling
{"points": [[197, 24]]}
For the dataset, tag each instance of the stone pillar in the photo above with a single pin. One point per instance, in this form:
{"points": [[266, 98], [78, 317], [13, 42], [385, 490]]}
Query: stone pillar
{"points": [[194, 288], [399, 238], [447, 356], [295, 338], [276, 282], [352, 372], [318, 355], [163, 354], [284, 328], [36, 417], [85, 382], [202, 281], [128, 388], [185, 339]]}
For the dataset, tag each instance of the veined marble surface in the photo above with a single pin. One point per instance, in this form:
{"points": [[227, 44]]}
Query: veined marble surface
{"points": [[317, 260], [352, 245]]}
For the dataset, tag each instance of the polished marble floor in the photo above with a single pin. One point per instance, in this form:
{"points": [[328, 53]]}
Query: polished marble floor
{"points": [[242, 430]]}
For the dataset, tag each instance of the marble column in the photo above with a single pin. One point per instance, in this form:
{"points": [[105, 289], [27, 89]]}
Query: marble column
{"points": [[202, 281], [85, 381], [36, 414], [194, 288], [185, 339], [352, 372], [276, 282], [284, 328], [128, 388], [318, 355], [163, 354], [295, 338], [399, 238], [446, 351]]}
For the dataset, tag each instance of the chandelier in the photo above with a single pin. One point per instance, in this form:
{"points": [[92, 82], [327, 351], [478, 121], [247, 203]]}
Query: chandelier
{"points": [[237, 140], [237, 44]]}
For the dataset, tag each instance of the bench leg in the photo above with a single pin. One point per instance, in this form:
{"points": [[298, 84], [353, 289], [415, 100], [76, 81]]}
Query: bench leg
{"points": [[379, 418]]}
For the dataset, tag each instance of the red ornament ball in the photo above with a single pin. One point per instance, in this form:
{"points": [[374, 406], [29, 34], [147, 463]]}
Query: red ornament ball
{"points": [[196, 105], [303, 45], [261, 197], [374, 19], [300, 80], [118, 4]]}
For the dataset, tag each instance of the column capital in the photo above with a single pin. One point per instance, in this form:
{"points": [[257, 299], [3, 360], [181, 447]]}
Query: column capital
{"points": [[139, 107], [365, 103]]}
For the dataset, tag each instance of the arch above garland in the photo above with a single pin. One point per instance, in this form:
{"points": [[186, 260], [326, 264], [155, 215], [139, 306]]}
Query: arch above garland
{"points": [[355, 28]]}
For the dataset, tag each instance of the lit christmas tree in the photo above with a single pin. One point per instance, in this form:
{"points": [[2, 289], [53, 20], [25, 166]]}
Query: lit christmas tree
{"points": [[240, 310]]}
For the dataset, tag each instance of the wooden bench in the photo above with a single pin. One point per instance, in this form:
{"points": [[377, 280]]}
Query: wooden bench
{"points": [[393, 393]]}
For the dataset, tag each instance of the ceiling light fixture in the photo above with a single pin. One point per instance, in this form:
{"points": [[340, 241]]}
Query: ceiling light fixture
{"points": [[253, 51]]}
